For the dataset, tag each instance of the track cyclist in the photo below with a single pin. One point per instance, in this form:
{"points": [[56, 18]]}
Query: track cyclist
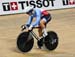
{"points": [[41, 16]]}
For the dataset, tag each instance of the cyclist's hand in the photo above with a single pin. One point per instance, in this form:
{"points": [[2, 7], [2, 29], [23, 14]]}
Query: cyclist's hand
{"points": [[23, 27], [30, 28]]}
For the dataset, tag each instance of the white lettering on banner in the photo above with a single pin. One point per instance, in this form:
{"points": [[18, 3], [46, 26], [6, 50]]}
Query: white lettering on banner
{"points": [[18, 6]]}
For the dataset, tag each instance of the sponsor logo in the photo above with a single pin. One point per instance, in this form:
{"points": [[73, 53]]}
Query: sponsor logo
{"points": [[68, 2], [71, 2], [20, 5]]}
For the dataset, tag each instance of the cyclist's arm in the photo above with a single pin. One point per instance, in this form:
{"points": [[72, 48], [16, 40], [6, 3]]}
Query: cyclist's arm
{"points": [[38, 17], [29, 20]]}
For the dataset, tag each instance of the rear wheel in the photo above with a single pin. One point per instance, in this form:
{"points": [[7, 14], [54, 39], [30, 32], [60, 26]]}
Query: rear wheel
{"points": [[25, 42], [51, 41]]}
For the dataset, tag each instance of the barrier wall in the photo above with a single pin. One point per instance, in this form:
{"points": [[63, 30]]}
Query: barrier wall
{"points": [[18, 6]]}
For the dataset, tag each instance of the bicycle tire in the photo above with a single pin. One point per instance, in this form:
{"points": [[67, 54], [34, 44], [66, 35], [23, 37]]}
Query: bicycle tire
{"points": [[23, 44], [51, 41]]}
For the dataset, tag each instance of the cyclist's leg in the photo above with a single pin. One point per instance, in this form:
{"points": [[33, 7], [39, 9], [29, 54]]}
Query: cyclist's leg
{"points": [[40, 32], [43, 26], [44, 21]]}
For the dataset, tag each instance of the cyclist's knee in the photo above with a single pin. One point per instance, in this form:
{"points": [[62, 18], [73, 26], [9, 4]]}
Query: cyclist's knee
{"points": [[42, 23]]}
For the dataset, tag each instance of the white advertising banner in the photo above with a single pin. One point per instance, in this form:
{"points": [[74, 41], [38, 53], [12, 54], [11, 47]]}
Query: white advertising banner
{"points": [[18, 6]]}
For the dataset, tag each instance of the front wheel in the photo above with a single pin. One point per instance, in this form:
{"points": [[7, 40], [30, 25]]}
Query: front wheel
{"points": [[51, 41], [25, 42]]}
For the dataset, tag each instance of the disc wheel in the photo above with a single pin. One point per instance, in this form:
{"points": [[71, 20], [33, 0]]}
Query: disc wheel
{"points": [[25, 42], [51, 41]]}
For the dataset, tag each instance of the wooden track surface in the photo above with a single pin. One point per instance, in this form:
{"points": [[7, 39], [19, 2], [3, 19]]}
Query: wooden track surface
{"points": [[63, 23]]}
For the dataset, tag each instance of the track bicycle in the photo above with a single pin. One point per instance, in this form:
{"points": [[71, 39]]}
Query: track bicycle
{"points": [[25, 40]]}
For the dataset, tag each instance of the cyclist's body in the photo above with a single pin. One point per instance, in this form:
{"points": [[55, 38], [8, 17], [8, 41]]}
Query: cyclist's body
{"points": [[42, 18]]}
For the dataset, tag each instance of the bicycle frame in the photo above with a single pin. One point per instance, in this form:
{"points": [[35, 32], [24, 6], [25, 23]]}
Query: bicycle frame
{"points": [[34, 35]]}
